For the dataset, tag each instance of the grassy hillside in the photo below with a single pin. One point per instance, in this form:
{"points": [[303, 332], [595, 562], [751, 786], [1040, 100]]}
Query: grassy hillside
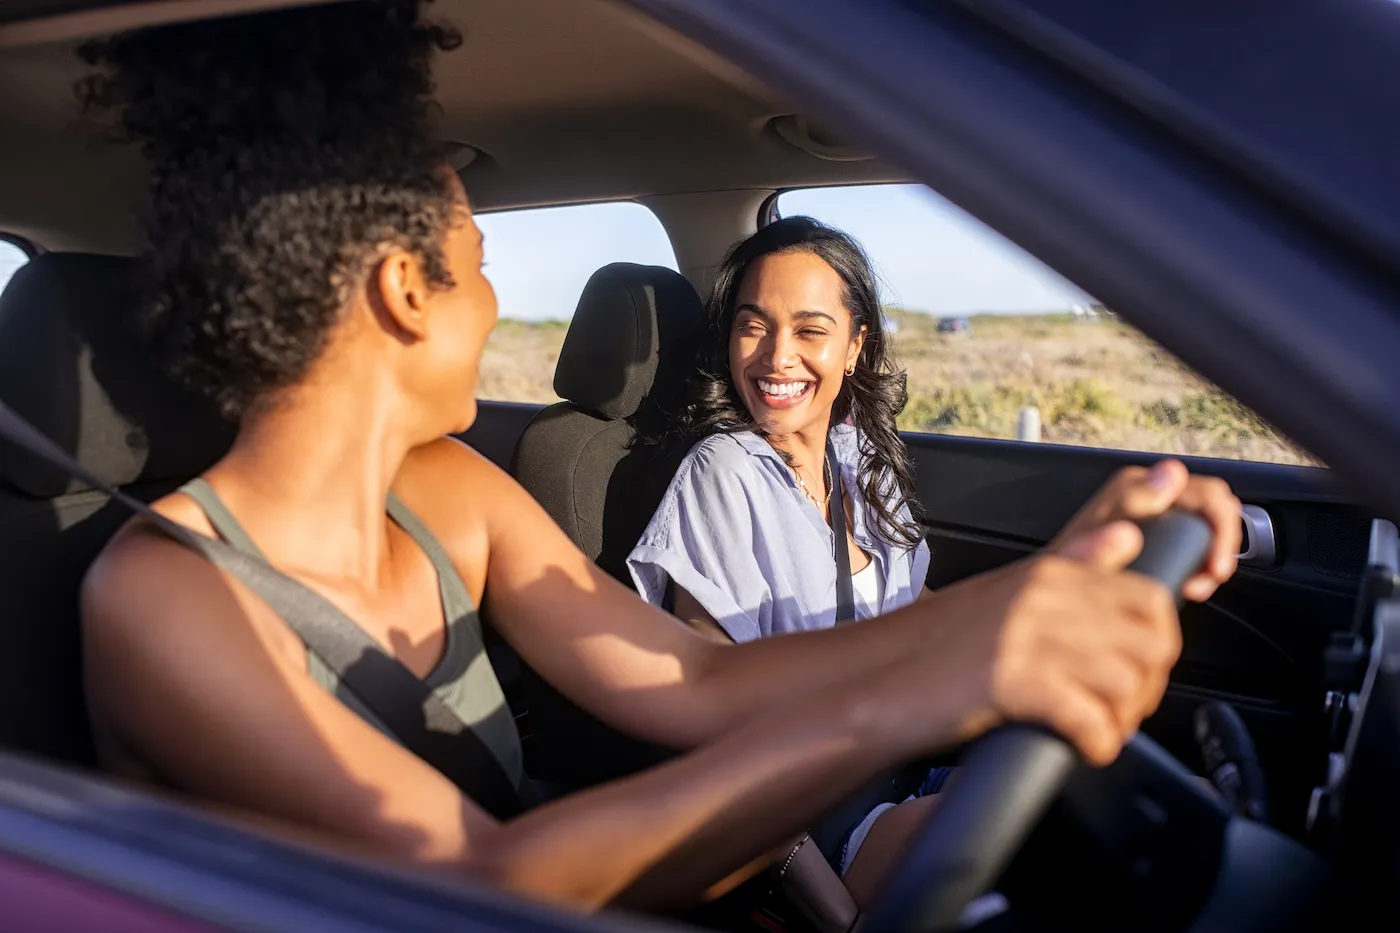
{"points": [[1097, 383]]}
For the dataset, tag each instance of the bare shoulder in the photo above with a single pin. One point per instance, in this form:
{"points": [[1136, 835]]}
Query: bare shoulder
{"points": [[141, 596], [440, 467], [140, 557], [450, 486], [461, 496]]}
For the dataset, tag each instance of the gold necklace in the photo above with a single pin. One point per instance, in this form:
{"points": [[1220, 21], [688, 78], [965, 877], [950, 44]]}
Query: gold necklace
{"points": [[802, 484]]}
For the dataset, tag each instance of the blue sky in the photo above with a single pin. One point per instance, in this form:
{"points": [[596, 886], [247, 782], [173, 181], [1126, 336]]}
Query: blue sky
{"points": [[929, 254], [11, 258]]}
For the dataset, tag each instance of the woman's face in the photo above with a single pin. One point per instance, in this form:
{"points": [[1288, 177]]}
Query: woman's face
{"points": [[462, 318], [791, 342]]}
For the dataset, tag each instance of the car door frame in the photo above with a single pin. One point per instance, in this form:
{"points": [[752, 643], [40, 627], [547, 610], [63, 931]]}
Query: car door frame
{"points": [[1197, 255]]}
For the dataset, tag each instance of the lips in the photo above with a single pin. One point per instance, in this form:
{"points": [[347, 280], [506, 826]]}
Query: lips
{"points": [[785, 394]]}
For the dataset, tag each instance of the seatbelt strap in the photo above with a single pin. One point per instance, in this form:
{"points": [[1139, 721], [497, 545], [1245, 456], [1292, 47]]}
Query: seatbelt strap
{"points": [[414, 713], [845, 590]]}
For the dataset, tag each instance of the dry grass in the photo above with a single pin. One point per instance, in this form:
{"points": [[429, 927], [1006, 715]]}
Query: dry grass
{"points": [[1099, 384], [518, 365]]}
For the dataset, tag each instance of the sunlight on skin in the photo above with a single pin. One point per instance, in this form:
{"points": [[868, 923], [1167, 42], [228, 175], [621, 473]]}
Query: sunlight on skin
{"points": [[619, 657]]}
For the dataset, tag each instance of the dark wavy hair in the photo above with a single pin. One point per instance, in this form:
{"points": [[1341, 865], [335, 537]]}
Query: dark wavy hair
{"points": [[872, 397], [288, 152]]}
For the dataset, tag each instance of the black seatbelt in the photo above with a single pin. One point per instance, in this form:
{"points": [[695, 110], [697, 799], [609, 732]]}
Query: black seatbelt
{"points": [[413, 712], [845, 591]]}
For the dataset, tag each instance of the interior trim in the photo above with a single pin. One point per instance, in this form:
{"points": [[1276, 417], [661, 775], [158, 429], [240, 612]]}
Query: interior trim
{"points": [[106, 19]]}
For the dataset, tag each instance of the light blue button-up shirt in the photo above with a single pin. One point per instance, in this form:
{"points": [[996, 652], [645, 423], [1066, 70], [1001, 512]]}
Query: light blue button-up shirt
{"points": [[735, 531]]}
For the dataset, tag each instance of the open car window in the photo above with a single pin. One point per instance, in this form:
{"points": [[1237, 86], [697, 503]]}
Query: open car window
{"points": [[539, 260], [12, 257], [998, 345]]}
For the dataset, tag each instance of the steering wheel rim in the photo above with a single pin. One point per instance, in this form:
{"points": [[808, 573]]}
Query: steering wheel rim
{"points": [[1010, 777]]}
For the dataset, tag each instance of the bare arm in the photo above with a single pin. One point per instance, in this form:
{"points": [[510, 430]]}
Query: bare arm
{"points": [[184, 675], [628, 663]]}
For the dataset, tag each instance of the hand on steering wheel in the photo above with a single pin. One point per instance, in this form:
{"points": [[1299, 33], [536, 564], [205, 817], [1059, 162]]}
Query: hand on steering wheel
{"points": [[1009, 779]]}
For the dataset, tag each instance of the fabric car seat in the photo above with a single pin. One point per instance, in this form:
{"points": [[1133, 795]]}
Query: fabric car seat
{"points": [[628, 354], [629, 350], [70, 365]]}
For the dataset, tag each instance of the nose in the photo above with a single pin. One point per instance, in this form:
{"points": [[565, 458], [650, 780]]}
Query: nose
{"points": [[782, 351]]}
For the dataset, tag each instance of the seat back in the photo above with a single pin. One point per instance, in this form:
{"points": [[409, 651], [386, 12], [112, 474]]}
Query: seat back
{"points": [[70, 366], [628, 354], [625, 360]]}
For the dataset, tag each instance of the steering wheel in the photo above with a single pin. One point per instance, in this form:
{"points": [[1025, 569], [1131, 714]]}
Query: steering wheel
{"points": [[1010, 777]]}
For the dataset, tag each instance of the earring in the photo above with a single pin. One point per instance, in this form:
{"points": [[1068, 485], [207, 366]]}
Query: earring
{"points": [[852, 370]]}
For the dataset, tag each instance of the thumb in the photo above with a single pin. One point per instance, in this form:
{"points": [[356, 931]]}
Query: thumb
{"points": [[1109, 547]]}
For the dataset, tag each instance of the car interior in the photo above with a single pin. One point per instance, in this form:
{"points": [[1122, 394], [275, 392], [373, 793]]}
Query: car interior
{"points": [[554, 102]]}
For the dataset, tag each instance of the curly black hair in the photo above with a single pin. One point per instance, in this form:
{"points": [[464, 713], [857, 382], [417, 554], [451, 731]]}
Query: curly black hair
{"points": [[871, 397], [288, 151]]}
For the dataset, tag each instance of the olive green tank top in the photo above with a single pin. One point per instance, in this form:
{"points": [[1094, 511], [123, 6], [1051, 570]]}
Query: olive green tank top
{"points": [[463, 679]]}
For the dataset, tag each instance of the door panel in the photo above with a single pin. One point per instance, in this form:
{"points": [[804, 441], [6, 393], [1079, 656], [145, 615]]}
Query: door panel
{"points": [[1258, 643]]}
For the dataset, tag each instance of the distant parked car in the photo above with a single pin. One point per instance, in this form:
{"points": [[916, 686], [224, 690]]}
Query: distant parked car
{"points": [[954, 325]]}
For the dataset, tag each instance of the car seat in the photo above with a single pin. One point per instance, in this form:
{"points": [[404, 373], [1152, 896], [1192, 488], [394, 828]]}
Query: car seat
{"points": [[70, 366], [627, 356]]}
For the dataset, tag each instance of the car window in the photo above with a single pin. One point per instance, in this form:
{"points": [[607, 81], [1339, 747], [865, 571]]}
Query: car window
{"points": [[998, 345], [11, 258], [539, 260]]}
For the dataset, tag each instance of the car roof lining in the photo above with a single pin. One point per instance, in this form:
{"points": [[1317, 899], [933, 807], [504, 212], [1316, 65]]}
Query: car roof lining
{"points": [[566, 101]]}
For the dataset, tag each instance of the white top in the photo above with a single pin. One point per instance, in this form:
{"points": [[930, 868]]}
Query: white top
{"points": [[869, 587]]}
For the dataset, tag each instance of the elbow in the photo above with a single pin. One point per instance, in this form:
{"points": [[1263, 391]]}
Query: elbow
{"points": [[704, 713]]}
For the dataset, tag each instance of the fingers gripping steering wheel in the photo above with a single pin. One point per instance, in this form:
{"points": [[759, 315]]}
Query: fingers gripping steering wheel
{"points": [[1009, 779]]}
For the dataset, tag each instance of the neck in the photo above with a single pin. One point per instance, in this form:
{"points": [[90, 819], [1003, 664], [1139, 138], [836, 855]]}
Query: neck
{"points": [[313, 474], [806, 449]]}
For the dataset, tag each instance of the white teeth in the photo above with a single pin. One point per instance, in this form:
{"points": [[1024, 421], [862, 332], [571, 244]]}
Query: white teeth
{"points": [[782, 389]]}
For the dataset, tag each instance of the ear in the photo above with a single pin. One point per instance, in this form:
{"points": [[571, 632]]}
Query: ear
{"points": [[857, 345], [402, 292]]}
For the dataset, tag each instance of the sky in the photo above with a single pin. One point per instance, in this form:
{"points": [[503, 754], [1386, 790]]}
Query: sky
{"points": [[11, 258], [930, 255]]}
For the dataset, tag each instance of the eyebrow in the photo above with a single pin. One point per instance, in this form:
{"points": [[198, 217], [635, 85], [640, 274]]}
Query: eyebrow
{"points": [[800, 315]]}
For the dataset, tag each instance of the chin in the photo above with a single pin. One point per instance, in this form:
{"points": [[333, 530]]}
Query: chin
{"points": [[466, 418], [780, 423]]}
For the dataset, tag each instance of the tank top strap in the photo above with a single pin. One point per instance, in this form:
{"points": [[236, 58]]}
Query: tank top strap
{"points": [[222, 520], [456, 600]]}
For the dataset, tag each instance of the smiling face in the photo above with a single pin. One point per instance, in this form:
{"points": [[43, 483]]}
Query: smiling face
{"points": [[791, 343]]}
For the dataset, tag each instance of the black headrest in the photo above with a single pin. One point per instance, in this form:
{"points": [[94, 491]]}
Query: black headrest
{"points": [[70, 364], [634, 332]]}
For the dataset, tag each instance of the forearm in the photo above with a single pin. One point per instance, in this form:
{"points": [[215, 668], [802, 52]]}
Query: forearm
{"points": [[662, 837], [734, 680]]}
